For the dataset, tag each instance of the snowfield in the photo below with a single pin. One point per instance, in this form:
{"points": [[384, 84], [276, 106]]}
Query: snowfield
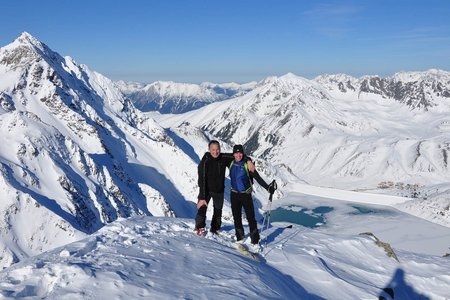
{"points": [[161, 258]]}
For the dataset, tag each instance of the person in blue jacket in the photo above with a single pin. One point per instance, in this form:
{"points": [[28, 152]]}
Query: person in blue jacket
{"points": [[241, 194]]}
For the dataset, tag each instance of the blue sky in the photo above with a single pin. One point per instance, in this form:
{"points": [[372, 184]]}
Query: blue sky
{"points": [[237, 40]]}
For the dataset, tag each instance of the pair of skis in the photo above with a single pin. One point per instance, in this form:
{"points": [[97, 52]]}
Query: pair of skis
{"points": [[244, 250], [241, 247]]}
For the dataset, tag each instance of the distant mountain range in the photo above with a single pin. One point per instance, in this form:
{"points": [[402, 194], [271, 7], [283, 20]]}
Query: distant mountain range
{"points": [[173, 97], [418, 90]]}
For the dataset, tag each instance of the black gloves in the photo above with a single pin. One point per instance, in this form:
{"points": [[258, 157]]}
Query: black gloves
{"points": [[272, 187]]}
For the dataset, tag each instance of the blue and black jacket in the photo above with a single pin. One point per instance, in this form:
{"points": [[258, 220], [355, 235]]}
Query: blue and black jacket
{"points": [[242, 178]]}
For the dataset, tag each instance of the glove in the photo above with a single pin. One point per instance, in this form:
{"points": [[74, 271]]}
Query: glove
{"points": [[272, 187]]}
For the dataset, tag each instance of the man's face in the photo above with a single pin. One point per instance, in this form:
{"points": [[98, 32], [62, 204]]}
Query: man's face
{"points": [[214, 149], [238, 156]]}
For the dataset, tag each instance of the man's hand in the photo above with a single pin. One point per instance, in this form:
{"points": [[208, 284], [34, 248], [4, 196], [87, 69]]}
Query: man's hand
{"points": [[202, 202], [251, 166]]}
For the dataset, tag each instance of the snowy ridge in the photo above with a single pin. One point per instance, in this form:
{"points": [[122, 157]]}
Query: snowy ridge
{"points": [[418, 90], [77, 154], [173, 97], [129, 87], [435, 75], [429, 90], [146, 257]]}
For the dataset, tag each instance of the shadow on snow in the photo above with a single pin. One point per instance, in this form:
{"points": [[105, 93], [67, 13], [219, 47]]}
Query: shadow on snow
{"points": [[398, 288], [183, 145], [151, 177]]}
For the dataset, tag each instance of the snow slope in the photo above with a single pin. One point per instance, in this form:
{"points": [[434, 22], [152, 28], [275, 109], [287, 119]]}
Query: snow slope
{"points": [[161, 258]]}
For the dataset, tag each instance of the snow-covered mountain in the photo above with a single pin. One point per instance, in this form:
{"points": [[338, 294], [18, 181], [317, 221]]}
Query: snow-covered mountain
{"points": [[429, 90], [76, 154], [173, 97], [351, 140], [298, 123]]}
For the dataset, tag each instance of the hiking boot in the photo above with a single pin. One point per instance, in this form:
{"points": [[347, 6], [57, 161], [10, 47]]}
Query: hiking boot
{"points": [[201, 231], [215, 231], [239, 234], [255, 237]]}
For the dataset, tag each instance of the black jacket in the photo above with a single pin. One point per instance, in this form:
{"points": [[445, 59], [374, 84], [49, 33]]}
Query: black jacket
{"points": [[211, 173], [259, 180]]}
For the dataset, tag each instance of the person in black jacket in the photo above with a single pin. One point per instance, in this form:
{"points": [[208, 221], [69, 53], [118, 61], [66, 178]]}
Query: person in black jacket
{"points": [[211, 182]]}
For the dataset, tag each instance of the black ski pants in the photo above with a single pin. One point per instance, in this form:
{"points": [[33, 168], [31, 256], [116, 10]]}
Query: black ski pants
{"points": [[216, 222], [239, 201]]}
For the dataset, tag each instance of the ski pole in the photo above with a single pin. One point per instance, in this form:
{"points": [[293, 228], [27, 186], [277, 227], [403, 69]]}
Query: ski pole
{"points": [[267, 212], [266, 220], [266, 217]]}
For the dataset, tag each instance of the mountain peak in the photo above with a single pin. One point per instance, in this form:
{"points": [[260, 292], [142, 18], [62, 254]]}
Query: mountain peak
{"points": [[27, 39], [289, 79], [289, 75], [431, 74], [26, 36], [24, 49]]}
